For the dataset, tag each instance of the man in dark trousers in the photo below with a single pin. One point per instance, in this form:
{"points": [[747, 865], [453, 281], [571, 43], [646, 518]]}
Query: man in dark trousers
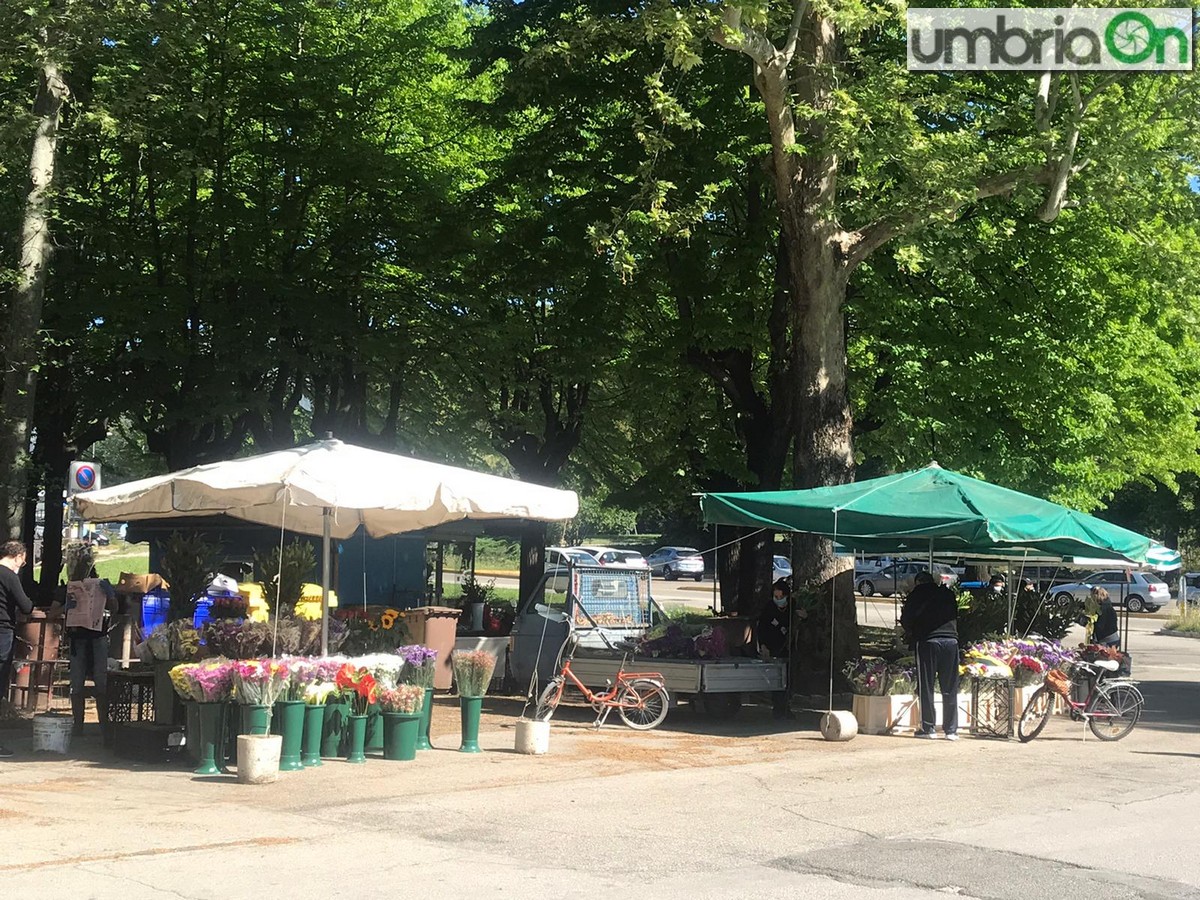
{"points": [[773, 639], [930, 618], [13, 603]]}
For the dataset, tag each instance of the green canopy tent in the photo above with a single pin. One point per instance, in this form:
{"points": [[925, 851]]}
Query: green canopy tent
{"points": [[931, 510], [934, 511]]}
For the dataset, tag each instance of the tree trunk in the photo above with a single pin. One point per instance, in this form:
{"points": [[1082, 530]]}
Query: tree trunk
{"points": [[25, 306]]}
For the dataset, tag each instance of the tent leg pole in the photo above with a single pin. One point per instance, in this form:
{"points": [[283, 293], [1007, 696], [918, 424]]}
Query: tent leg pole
{"points": [[325, 527]]}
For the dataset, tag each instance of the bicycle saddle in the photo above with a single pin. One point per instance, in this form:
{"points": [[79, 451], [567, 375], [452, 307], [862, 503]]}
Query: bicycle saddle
{"points": [[1109, 665]]}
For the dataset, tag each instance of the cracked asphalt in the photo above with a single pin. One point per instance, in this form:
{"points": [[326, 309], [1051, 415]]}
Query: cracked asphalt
{"points": [[692, 810]]}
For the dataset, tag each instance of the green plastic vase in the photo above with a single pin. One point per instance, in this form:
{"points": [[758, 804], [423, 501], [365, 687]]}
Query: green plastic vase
{"points": [[256, 718], [374, 727], [400, 735], [333, 729], [289, 717], [210, 721], [470, 709], [314, 731], [356, 736], [426, 719]]}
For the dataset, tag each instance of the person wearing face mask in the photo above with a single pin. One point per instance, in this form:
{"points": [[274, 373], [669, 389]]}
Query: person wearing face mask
{"points": [[774, 633]]}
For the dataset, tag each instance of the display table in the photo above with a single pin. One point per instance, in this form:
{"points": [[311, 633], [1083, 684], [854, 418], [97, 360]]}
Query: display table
{"points": [[495, 645]]}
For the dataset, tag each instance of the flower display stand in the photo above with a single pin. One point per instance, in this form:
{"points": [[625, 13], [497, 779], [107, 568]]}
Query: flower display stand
{"points": [[992, 707], [1021, 698], [885, 714]]}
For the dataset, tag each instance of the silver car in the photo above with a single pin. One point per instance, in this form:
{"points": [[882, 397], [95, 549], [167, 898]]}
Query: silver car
{"points": [[901, 578], [617, 559], [781, 567], [1143, 591], [673, 562]]}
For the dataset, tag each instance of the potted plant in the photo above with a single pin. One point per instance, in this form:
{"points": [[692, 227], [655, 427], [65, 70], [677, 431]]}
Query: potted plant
{"points": [[288, 715], [363, 690], [472, 672], [316, 696], [207, 686], [419, 668], [475, 596], [401, 707]]}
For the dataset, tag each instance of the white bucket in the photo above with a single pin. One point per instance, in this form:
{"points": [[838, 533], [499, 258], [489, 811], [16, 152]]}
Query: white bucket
{"points": [[533, 737], [52, 733], [839, 725], [258, 758]]}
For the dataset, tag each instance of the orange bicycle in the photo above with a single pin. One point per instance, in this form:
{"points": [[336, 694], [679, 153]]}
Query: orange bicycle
{"points": [[640, 698]]}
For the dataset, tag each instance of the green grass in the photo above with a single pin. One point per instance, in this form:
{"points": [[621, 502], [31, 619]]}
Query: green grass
{"points": [[1185, 622], [454, 592], [112, 561]]}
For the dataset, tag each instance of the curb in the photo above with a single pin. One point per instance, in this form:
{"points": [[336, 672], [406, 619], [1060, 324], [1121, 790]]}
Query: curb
{"points": [[1179, 634]]}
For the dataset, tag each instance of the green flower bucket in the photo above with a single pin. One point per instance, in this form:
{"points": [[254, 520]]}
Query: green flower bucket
{"points": [[400, 732], [314, 731], [356, 734], [470, 709], [256, 718], [426, 720], [333, 729], [374, 727], [210, 743], [288, 721]]}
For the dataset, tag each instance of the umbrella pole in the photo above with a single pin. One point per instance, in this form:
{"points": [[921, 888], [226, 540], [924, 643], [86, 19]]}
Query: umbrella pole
{"points": [[325, 527]]}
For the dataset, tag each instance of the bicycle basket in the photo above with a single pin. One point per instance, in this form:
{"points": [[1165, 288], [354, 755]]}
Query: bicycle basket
{"points": [[1059, 682]]}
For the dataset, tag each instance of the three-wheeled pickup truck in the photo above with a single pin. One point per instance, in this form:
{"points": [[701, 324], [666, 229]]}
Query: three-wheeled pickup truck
{"points": [[612, 609]]}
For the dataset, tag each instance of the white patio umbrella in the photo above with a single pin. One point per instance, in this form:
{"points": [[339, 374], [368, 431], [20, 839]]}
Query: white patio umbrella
{"points": [[330, 488]]}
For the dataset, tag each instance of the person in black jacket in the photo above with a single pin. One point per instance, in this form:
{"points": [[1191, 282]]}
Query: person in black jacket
{"points": [[773, 638], [13, 603], [1106, 630], [930, 617]]}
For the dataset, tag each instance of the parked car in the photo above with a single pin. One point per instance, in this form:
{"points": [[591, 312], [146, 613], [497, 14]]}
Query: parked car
{"points": [[562, 557], [672, 562], [900, 578], [619, 559], [781, 568], [1191, 583], [1144, 591]]}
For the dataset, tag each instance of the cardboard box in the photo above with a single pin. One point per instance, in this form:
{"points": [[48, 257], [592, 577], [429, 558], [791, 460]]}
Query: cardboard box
{"points": [[140, 584]]}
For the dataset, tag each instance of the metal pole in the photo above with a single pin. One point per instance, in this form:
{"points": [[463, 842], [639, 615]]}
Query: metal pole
{"points": [[716, 564], [326, 524]]}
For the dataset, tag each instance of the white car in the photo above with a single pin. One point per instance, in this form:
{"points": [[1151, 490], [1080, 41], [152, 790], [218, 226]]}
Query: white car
{"points": [[617, 559], [781, 567], [562, 557], [1143, 591]]}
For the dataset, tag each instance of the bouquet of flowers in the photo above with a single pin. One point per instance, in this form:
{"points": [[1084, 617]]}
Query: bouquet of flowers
{"points": [[301, 673], [978, 664], [473, 671], [207, 682], [225, 607], [360, 685], [419, 664], [868, 676], [327, 667], [1027, 670], [902, 679], [404, 698], [317, 693], [259, 682], [385, 667]]}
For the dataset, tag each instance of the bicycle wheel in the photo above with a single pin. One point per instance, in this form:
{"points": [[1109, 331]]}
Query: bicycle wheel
{"points": [[644, 704], [548, 702], [1035, 715], [1115, 712]]}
